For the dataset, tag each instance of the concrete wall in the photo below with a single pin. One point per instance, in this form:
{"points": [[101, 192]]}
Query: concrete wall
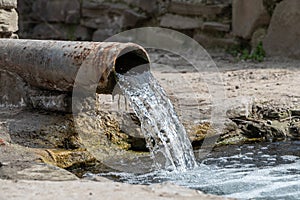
{"points": [[8, 18]]}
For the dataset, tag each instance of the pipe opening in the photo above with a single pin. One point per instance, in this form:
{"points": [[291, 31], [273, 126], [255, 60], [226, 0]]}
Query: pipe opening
{"points": [[130, 60], [133, 60]]}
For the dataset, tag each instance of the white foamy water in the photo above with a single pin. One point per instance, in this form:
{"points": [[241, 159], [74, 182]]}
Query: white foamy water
{"points": [[232, 177], [164, 133]]}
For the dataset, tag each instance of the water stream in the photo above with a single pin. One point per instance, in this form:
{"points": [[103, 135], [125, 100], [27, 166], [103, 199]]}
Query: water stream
{"points": [[164, 133]]}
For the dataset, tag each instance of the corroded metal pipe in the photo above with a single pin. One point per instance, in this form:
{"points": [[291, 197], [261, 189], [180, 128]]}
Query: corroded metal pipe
{"points": [[53, 65]]}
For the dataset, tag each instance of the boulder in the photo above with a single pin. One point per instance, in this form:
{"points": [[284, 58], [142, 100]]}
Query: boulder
{"points": [[8, 20], [208, 11], [208, 41], [283, 33], [180, 22], [215, 26], [248, 16], [57, 11], [8, 4]]}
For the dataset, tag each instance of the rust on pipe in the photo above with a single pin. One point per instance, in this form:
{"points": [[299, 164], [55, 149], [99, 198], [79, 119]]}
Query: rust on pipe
{"points": [[53, 65]]}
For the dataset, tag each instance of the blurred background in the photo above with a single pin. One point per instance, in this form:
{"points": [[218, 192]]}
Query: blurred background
{"points": [[239, 27]]}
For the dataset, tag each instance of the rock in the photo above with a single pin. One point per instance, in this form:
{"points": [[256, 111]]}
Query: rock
{"points": [[208, 11], [14, 36], [148, 6], [103, 21], [259, 129], [94, 4], [131, 18], [111, 17], [57, 11], [102, 34], [180, 22], [284, 30], [61, 32], [12, 92], [215, 42], [5, 34], [294, 130], [67, 158], [8, 4], [215, 26], [45, 172], [8, 20], [247, 16]]}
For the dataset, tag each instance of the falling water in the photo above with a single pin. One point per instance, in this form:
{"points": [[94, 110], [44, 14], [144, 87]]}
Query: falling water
{"points": [[164, 133]]}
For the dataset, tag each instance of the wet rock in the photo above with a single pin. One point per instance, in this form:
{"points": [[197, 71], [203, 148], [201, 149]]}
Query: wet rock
{"points": [[130, 125], [271, 112], [198, 134], [259, 129], [284, 30], [180, 22], [67, 158], [294, 129], [247, 16]]}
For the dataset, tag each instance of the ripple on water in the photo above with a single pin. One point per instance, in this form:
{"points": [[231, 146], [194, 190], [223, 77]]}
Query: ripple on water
{"points": [[267, 176]]}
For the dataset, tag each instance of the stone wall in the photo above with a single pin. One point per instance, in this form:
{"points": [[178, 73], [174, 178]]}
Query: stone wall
{"points": [[213, 23], [8, 18], [208, 21]]}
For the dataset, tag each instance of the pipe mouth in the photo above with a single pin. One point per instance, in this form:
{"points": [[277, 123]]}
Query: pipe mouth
{"points": [[132, 60]]}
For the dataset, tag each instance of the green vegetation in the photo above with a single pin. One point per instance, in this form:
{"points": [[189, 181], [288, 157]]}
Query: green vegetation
{"points": [[258, 54]]}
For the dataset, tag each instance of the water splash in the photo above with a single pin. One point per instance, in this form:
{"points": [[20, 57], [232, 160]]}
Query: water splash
{"points": [[164, 133]]}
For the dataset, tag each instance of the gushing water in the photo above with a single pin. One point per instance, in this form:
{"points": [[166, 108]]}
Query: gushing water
{"points": [[164, 133]]}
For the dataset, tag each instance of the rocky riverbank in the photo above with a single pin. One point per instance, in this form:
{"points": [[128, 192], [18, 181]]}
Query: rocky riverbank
{"points": [[262, 104]]}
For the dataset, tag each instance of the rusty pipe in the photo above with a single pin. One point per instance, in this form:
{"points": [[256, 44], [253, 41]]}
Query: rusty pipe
{"points": [[53, 65]]}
